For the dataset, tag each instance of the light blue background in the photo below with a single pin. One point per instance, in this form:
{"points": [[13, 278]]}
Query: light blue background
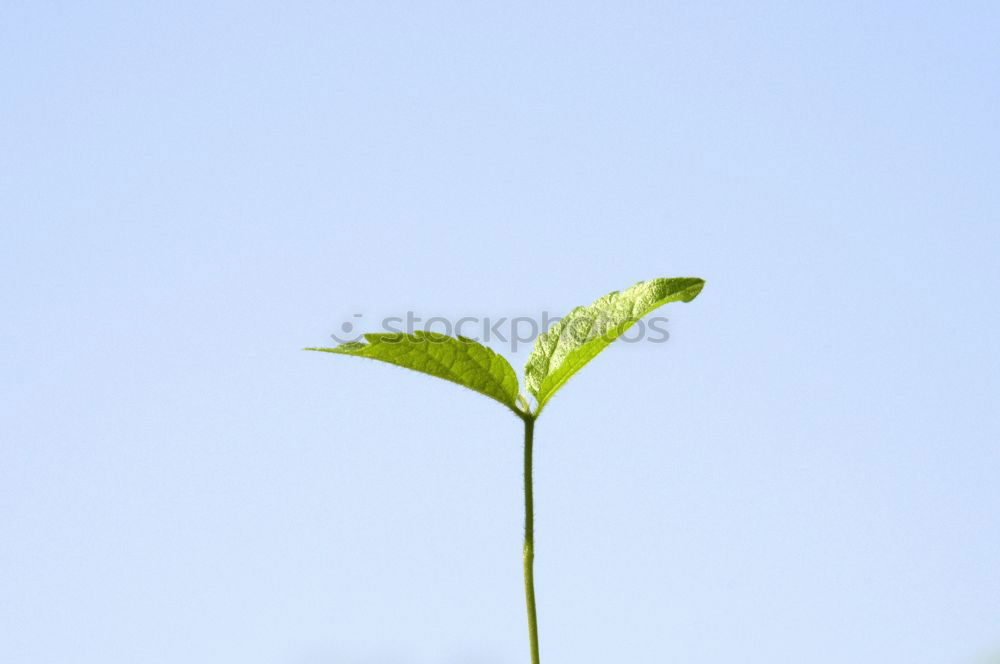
{"points": [[190, 192]]}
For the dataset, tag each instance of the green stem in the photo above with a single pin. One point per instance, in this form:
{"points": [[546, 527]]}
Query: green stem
{"points": [[529, 537]]}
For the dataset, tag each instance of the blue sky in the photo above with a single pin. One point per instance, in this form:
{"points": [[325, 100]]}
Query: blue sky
{"points": [[806, 471]]}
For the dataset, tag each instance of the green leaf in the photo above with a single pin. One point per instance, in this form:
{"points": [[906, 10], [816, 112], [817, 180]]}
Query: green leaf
{"points": [[586, 331], [460, 360]]}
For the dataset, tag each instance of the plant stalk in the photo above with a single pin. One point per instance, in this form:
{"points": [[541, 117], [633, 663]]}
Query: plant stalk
{"points": [[529, 537]]}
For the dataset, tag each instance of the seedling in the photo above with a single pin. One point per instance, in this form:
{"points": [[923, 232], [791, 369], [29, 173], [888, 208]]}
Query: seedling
{"points": [[557, 355]]}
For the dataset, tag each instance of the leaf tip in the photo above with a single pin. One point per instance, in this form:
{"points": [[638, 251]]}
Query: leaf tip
{"points": [[695, 288]]}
